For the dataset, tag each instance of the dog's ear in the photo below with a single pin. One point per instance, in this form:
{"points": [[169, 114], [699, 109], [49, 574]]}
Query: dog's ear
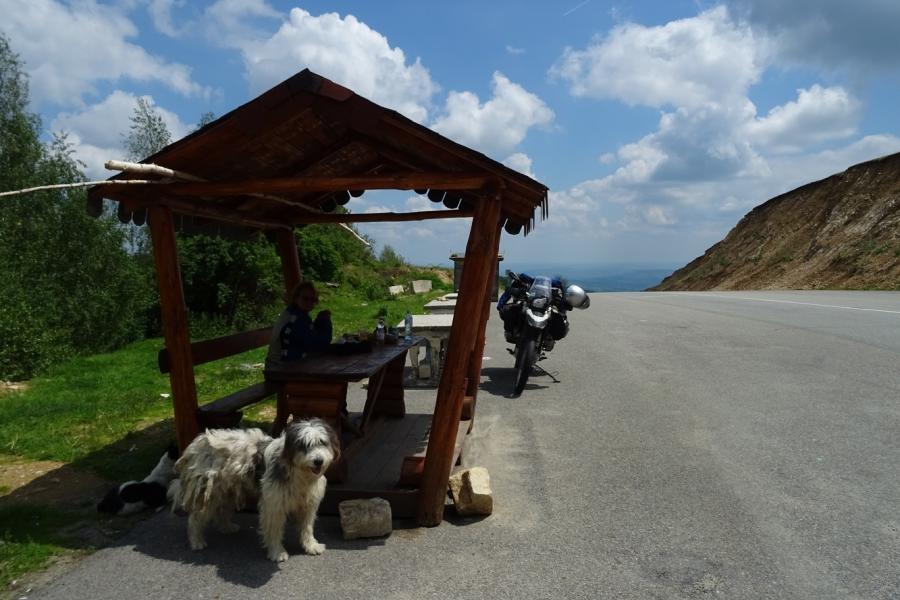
{"points": [[172, 451], [291, 442], [335, 442]]}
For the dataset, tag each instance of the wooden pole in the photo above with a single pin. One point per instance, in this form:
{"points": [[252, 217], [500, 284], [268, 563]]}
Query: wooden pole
{"points": [[474, 373], [481, 254], [382, 217], [290, 260], [407, 181], [175, 324]]}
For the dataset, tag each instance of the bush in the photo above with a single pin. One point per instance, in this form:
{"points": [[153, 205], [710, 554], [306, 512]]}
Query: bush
{"points": [[325, 249], [389, 258], [229, 285]]}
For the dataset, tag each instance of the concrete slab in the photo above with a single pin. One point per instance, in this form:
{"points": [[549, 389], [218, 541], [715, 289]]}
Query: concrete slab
{"points": [[420, 286], [441, 307]]}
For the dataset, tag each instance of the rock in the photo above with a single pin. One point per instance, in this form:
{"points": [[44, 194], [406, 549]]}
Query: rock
{"points": [[420, 286], [365, 518], [395, 290], [471, 490]]}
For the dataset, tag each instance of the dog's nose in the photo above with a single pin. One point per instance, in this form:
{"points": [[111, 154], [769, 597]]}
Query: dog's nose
{"points": [[318, 461]]}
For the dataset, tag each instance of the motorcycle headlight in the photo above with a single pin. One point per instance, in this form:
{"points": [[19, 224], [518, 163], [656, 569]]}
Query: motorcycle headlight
{"points": [[539, 303]]}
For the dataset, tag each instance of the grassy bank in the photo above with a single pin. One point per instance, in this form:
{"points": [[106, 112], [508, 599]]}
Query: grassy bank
{"points": [[111, 415]]}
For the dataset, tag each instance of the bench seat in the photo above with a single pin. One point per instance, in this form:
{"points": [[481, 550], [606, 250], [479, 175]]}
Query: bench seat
{"points": [[226, 411]]}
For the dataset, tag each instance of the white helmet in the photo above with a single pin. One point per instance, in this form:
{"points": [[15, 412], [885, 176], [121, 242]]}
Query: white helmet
{"points": [[576, 297]]}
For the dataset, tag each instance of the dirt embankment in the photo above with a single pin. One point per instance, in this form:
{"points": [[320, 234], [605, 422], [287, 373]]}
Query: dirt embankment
{"points": [[839, 233]]}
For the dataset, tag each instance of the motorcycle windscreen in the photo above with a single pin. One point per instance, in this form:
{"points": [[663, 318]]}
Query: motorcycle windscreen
{"points": [[540, 292]]}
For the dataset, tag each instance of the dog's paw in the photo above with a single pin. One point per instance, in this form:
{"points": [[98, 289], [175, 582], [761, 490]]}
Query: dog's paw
{"points": [[278, 555], [314, 548], [197, 544]]}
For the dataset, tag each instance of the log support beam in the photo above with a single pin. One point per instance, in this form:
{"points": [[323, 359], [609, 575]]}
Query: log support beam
{"points": [[473, 376], [290, 260], [481, 260], [175, 324]]}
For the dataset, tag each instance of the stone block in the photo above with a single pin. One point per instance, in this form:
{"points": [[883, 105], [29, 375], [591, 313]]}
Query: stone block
{"points": [[395, 290], [471, 490], [420, 286], [365, 518]]}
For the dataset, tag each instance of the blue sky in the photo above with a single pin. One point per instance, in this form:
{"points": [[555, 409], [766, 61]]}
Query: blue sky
{"points": [[656, 125]]}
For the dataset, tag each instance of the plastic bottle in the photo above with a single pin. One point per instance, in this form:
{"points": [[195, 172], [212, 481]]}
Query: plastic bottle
{"points": [[407, 327], [380, 331]]}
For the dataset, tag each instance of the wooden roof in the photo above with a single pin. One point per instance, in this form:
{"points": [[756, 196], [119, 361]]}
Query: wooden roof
{"points": [[292, 154]]}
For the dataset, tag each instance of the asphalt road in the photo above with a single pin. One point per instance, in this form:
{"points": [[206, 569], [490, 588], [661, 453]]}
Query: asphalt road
{"points": [[737, 445]]}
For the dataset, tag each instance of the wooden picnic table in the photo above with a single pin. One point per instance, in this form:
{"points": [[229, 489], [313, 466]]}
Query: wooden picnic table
{"points": [[316, 386]]}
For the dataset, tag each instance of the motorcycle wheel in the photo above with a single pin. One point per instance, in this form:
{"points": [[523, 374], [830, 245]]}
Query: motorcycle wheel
{"points": [[526, 353]]}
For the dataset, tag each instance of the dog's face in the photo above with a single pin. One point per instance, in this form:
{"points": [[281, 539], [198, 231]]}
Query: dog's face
{"points": [[311, 445]]}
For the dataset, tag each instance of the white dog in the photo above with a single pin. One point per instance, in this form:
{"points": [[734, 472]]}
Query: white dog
{"points": [[225, 470]]}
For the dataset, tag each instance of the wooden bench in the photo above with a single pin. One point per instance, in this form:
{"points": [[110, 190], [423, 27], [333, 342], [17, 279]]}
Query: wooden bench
{"points": [[226, 412]]}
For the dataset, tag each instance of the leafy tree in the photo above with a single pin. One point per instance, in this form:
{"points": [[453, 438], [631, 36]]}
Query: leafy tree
{"points": [[229, 285], [148, 133], [390, 258], [205, 119], [68, 286], [20, 148]]}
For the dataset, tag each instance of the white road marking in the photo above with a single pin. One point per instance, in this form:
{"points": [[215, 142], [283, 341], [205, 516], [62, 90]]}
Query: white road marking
{"points": [[893, 312]]}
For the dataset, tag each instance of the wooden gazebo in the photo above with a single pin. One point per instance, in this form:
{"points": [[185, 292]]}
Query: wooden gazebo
{"points": [[288, 158]]}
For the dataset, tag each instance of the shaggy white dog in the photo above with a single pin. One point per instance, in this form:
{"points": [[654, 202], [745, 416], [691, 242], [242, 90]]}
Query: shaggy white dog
{"points": [[225, 470]]}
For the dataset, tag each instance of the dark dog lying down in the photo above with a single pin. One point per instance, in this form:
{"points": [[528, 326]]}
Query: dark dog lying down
{"points": [[134, 496]]}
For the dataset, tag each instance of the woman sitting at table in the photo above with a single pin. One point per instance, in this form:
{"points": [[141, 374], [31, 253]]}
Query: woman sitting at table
{"points": [[295, 333]]}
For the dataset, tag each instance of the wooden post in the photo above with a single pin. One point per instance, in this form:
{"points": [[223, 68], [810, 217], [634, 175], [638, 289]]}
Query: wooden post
{"points": [[290, 259], [480, 255], [474, 373], [175, 324]]}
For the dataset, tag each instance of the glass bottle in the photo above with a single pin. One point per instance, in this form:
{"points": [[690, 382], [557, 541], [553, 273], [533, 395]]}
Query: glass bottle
{"points": [[380, 331], [407, 327]]}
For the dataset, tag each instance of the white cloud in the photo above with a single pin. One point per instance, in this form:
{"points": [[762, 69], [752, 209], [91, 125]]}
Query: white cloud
{"points": [[711, 157], [818, 115], [688, 63], [346, 51], [234, 22], [68, 48], [96, 131], [160, 12], [520, 162], [513, 50], [498, 125], [421, 203]]}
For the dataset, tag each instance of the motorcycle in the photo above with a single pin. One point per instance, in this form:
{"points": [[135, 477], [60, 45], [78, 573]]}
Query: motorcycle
{"points": [[538, 313]]}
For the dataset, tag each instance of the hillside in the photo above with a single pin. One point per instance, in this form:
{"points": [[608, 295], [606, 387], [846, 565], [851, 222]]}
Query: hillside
{"points": [[842, 232]]}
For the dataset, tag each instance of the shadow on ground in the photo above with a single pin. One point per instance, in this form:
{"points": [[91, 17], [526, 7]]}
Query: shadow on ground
{"points": [[499, 381], [52, 505]]}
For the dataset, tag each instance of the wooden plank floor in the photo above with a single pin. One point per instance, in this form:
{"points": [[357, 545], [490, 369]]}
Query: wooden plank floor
{"points": [[374, 462]]}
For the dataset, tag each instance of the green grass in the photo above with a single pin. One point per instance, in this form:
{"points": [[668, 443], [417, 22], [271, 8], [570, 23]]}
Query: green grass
{"points": [[106, 413], [350, 313], [31, 537]]}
